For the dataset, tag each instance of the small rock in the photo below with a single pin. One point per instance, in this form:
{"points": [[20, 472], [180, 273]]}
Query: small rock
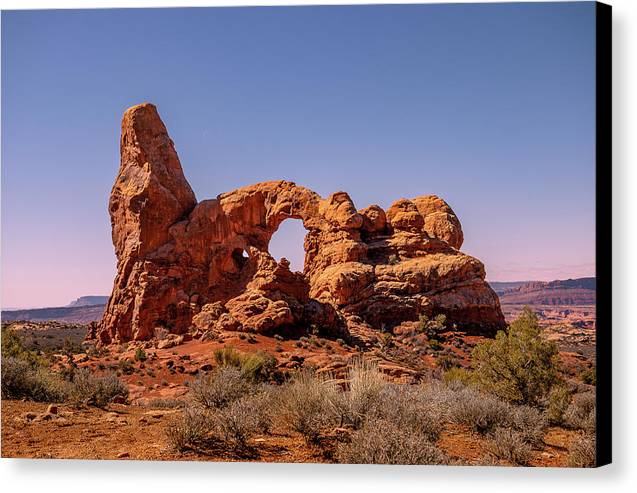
{"points": [[118, 399], [52, 409], [30, 416], [123, 455]]}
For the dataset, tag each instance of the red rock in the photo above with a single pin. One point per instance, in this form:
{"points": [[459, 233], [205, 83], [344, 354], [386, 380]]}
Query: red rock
{"points": [[183, 263]]}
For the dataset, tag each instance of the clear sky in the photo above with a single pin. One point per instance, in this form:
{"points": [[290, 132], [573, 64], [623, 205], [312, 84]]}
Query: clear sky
{"points": [[489, 106]]}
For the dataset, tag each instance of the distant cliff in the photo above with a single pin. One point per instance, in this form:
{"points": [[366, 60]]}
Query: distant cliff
{"points": [[89, 301], [81, 311], [560, 292]]}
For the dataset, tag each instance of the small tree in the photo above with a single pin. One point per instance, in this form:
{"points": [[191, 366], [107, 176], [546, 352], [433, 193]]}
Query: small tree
{"points": [[519, 365]]}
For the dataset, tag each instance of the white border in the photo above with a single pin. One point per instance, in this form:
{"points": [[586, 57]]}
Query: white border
{"points": [[110, 476]]}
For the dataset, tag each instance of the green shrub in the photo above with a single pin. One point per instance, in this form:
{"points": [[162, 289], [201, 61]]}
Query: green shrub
{"points": [[22, 380], [227, 356], [457, 375], [140, 354], [519, 366], [559, 400], [257, 367], [589, 376], [12, 347]]}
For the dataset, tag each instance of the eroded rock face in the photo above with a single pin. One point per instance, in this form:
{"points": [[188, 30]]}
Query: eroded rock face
{"points": [[184, 265]]}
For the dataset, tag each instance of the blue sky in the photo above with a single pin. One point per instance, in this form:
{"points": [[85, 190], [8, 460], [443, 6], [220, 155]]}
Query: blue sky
{"points": [[489, 106]]}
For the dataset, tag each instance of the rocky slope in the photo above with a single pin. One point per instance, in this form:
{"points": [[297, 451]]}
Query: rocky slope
{"points": [[185, 266]]}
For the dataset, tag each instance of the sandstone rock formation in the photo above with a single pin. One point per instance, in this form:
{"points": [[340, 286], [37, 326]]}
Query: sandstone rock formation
{"points": [[187, 266]]}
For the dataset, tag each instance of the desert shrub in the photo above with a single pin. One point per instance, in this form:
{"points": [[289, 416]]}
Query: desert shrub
{"points": [[265, 402], [366, 385], [239, 421], [227, 356], [13, 347], [307, 405], [383, 442], [582, 452], [140, 354], [589, 376], [431, 327], [529, 423], [559, 400], [22, 380], [581, 413], [519, 365], [88, 388], [447, 362], [507, 444], [257, 367], [159, 403], [411, 408], [479, 411], [125, 366], [457, 376], [190, 430], [218, 389]]}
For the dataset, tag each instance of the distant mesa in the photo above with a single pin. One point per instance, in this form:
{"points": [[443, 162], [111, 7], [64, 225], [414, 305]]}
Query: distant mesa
{"points": [[188, 266], [89, 301], [582, 291]]}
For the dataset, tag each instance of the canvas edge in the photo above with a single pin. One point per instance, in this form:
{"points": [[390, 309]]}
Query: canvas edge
{"points": [[603, 230]]}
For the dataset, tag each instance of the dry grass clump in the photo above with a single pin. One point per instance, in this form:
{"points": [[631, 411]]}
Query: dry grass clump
{"points": [[23, 380], [217, 390], [238, 422], [581, 413], [383, 442], [529, 423], [190, 430], [365, 393], [227, 408], [409, 407], [582, 452], [510, 445], [308, 405], [159, 403], [99, 391], [479, 411]]}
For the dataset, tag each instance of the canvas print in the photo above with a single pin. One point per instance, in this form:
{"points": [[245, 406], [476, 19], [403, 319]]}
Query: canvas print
{"points": [[333, 234]]}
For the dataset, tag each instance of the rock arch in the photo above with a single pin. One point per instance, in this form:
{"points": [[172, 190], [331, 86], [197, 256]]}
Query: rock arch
{"points": [[181, 264]]}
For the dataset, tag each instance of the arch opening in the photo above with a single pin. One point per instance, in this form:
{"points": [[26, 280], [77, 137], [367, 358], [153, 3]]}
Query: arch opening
{"points": [[240, 258], [287, 242]]}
